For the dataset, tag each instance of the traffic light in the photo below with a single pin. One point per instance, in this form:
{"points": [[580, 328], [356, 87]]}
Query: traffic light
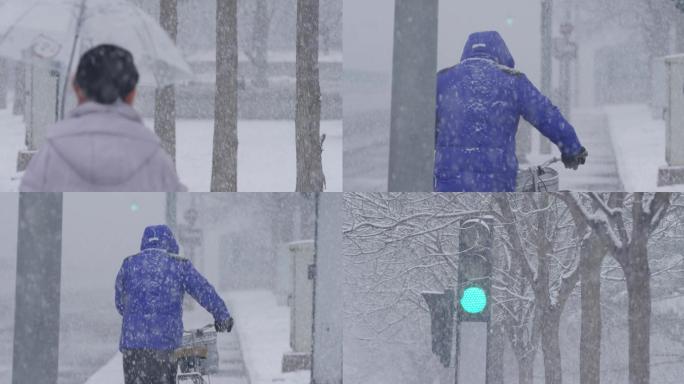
{"points": [[441, 307], [474, 270]]}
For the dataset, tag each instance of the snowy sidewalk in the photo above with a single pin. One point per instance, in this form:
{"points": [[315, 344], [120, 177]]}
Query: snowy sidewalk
{"points": [[264, 332], [639, 143]]}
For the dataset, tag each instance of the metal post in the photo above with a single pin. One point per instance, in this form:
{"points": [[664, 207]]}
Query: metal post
{"points": [[412, 131], [4, 77], [43, 83], [171, 210], [564, 73], [673, 172], [36, 317], [19, 89], [546, 59], [565, 51], [326, 355]]}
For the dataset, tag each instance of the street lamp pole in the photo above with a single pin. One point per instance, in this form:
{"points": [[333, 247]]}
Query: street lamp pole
{"points": [[37, 300], [412, 127]]}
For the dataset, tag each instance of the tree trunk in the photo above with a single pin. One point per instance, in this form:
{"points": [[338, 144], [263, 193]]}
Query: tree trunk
{"points": [[260, 33], [224, 159], [19, 90], [497, 337], [525, 370], [165, 97], [310, 176], [553, 373], [637, 275], [590, 337], [3, 83]]}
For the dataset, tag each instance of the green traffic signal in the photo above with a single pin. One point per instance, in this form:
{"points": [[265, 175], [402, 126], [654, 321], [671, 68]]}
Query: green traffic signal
{"points": [[474, 300], [135, 207]]}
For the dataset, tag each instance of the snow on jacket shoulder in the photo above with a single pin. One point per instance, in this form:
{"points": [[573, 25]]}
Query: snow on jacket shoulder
{"points": [[149, 293], [101, 148], [479, 105]]}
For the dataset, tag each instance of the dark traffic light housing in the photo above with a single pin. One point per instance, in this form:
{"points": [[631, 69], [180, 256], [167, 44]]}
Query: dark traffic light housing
{"points": [[441, 307], [474, 270]]}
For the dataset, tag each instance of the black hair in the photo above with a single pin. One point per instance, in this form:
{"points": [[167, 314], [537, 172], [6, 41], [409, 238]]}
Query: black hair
{"points": [[106, 73]]}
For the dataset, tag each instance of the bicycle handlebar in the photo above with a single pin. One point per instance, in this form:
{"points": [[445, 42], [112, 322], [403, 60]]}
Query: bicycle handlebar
{"points": [[202, 329], [552, 161]]}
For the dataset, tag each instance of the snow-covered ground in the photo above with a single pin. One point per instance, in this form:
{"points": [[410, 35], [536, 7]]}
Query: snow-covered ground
{"points": [[639, 144], [266, 154], [263, 330]]}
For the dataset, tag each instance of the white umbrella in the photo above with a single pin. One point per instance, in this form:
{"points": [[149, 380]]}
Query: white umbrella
{"points": [[59, 30]]}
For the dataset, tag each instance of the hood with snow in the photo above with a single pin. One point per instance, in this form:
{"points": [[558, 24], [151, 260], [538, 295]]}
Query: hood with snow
{"points": [[105, 144], [488, 45], [159, 237]]}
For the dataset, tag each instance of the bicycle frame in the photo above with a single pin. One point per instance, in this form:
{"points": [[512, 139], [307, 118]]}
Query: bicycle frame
{"points": [[535, 174], [191, 358]]}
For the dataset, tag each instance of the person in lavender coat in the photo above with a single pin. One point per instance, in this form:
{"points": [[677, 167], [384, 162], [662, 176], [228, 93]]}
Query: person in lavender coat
{"points": [[103, 144]]}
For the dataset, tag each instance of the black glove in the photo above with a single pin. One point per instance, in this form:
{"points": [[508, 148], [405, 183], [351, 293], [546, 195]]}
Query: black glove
{"points": [[224, 325], [573, 162]]}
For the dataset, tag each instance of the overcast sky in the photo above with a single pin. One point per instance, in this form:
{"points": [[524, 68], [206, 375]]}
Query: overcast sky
{"points": [[368, 31]]}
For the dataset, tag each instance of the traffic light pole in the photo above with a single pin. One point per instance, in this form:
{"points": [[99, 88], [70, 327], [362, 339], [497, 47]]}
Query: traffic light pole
{"points": [[474, 308], [460, 316]]}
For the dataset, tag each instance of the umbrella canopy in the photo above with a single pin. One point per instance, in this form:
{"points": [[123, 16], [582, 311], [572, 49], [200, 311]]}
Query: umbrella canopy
{"points": [[59, 31]]}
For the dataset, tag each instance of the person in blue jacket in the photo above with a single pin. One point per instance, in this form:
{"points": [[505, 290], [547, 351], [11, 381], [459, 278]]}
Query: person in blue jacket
{"points": [[479, 104], [149, 295]]}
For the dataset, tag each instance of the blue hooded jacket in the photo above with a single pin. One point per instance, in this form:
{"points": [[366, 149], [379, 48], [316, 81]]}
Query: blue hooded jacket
{"points": [[149, 293], [479, 104]]}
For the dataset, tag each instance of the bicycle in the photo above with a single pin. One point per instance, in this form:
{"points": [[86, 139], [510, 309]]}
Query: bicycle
{"points": [[197, 356], [539, 178]]}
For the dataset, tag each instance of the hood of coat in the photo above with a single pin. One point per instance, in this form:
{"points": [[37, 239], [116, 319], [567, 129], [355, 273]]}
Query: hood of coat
{"points": [[159, 237], [104, 144], [488, 45]]}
